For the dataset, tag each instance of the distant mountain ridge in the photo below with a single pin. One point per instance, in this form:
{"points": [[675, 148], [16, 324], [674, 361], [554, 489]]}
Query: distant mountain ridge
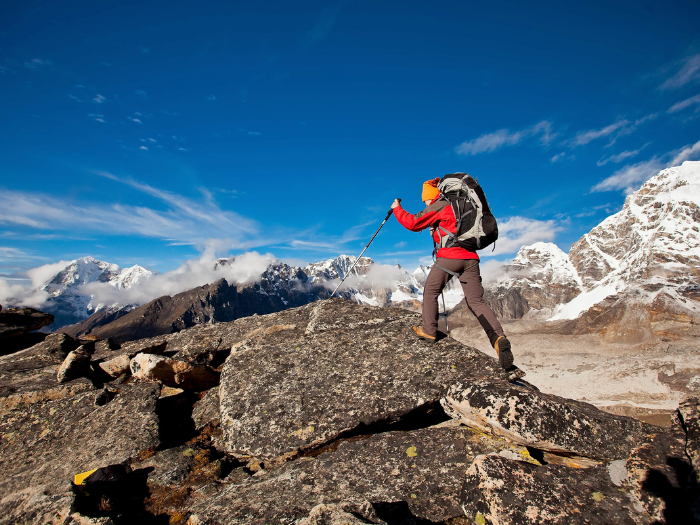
{"points": [[646, 254]]}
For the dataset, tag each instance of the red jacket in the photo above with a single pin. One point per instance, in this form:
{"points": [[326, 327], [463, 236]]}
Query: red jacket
{"points": [[439, 213]]}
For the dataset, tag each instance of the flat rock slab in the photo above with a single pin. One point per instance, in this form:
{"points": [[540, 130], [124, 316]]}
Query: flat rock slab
{"points": [[544, 421], [288, 390], [502, 492], [29, 375], [45, 444], [17, 321], [421, 471]]}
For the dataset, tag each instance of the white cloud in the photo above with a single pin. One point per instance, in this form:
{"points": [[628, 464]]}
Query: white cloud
{"points": [[584, 137], [614, 131], [515, 232], [136, 120], [247, 267], [631, 176], [36, 63], [143, 148], [688, 102], [400, 244], [254, 133], [621, 156], [211, 97], [99, 99], [688, 72], [141, 93], [562, 156], [503, 137], [184, 219]]}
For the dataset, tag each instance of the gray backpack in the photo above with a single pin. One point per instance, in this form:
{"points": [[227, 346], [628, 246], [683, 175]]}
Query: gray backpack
{"points": [[476, 225]]}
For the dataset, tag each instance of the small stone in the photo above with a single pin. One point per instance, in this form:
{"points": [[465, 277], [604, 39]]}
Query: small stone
{"points": [[76, 364], [117, 366], [170, 372]]}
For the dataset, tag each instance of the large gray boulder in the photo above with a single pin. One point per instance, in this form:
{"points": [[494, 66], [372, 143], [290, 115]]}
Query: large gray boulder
{"points": [[502, 492], [338, 368], [544, 421], [417, 474], [45, 444]]}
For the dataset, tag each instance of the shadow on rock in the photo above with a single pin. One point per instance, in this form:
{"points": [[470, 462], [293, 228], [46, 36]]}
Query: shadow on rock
{"points": [[120, 497], [398, 513], [681, 498]]}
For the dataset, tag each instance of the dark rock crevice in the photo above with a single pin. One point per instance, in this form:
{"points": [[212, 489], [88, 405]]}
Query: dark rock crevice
{"points": [[175, 424]]}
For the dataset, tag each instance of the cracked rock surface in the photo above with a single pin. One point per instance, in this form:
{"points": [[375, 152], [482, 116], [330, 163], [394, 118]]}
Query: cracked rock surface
{"points": [[423, 468], [331, 413], [346, 367], [544, 421], [45, 444]]}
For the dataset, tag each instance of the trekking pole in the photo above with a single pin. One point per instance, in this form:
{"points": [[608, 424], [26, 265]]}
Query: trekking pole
{"points": [[363, 251]]}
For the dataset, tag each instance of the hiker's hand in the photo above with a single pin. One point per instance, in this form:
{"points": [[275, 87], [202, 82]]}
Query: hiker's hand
{"points": [[397, 202]]}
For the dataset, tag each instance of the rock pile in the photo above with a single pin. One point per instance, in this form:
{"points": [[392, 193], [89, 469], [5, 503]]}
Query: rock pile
{"points": [[327, 413]]}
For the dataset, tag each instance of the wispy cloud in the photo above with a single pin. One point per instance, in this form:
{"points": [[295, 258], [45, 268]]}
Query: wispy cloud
{"points": [[254, 133], [136, 120], [37, 63], [621, 156], [688, 102], [97, 117], [323, 27], [614, 131], [688, 72], [184, 219], [515, 232], [211, 97], [503, 137], [99, 99], [141, 93], [562, 156], [630, 177]]}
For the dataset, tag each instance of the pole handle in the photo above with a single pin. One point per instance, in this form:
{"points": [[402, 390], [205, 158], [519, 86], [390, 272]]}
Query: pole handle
{"points": [[391, 210]]}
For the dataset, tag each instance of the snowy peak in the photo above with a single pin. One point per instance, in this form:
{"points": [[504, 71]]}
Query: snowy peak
{"points": [[81, 271], [337, 268], [543, 263], [655, 235], [130, 276]]}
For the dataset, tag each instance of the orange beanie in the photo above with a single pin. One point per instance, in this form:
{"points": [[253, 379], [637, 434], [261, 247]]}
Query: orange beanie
{"points": [[430, 190]]}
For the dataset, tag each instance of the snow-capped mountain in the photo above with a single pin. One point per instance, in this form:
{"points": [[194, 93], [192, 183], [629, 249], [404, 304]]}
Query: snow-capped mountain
{"points": [[649, 251], [534, 283], [647, 254], [66, 300], [369, 283]]}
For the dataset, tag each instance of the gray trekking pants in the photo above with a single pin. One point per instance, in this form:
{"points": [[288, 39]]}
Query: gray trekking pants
{"points": [[470, 277]]}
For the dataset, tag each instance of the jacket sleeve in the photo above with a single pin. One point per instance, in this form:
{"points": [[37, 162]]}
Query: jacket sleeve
{"points": [[421, 220]]}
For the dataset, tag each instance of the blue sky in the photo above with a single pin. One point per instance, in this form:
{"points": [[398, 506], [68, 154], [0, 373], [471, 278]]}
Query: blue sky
{"points": [[153, 132]]}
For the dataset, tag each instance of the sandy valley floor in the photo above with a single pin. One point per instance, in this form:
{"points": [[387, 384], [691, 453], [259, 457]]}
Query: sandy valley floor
{"points": [[644, 380]]}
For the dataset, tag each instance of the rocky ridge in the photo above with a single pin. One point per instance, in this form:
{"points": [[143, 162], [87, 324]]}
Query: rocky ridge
{"points": [[328, 411]]}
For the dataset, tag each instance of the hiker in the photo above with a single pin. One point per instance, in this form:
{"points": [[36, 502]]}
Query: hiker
{"points": [[451, 261]]}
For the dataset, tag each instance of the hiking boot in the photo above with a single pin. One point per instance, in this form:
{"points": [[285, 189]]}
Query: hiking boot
{"points": [[505, 356], [422, 335]]}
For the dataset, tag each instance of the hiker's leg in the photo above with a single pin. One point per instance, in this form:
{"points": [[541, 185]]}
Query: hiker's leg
{"points": [[436, 281], [474, 294]]}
